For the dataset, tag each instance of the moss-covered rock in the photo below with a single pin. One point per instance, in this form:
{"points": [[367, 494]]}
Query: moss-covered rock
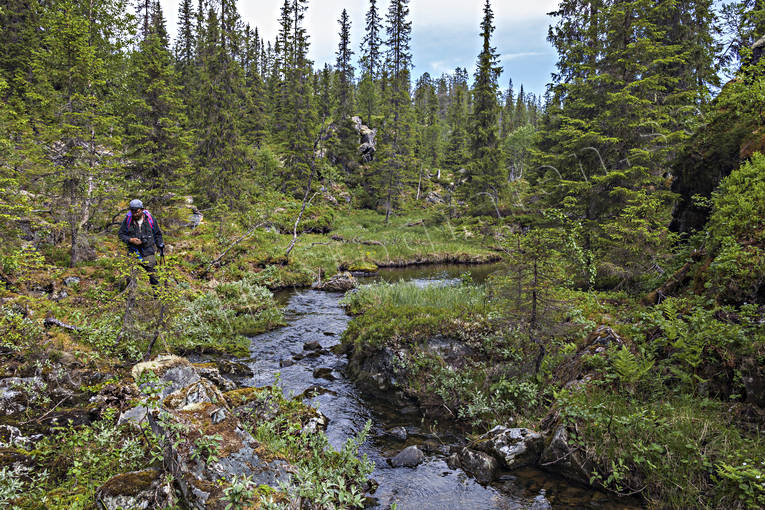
{"points": [[136, 490]]}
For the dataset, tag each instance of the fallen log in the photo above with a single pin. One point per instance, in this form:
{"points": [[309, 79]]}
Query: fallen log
{"points": [[52, 321], [675, 281]]}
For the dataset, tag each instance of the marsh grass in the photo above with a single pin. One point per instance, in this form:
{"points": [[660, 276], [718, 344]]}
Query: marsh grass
{"points": [[407, 294]]}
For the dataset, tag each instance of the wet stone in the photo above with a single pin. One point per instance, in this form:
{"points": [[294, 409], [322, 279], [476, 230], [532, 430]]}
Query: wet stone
{"points": [[479, 465], [324, 373], [540, 502], [398, 433], [411, 456], [286, 363], [312, 346]]}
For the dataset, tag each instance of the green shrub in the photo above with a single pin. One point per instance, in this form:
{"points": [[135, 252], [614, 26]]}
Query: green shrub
{"points": [[222, 321], [737, 235]]}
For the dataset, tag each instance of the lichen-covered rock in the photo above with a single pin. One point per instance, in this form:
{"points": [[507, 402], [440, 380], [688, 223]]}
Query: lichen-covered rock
{"points": [[514, 447], [204, 441], [212, 450], [133, 417], [234, 368], [137, 490], [315, 424], [159, 365]]}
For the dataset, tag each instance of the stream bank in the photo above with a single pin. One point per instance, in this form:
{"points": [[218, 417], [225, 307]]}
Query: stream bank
{"points": [[303, 359]]}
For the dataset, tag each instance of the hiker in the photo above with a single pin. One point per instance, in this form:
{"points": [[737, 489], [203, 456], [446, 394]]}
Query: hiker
{"points": [[141, 233]]}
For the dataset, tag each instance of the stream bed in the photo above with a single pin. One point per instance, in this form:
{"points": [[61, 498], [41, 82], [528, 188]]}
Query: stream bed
{"points": [[290, 357]]}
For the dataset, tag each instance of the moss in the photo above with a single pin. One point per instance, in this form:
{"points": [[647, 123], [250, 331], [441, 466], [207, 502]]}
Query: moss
{"points": [[128, 484], [10, 456], [243, 396], [363, 267]]}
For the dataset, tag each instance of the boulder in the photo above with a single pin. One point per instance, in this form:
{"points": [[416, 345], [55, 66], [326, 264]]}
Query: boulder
{"points": [[324, 373], [137, 490], [315, 424], [378, 372], [133, 417], [480, 465], [341, 282], [159, 365], [198, 392], [213, 375], [234, 368], [513, 447], [195, 218], [411, 456]]}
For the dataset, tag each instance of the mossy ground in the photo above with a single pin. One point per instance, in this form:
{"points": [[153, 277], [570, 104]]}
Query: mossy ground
{"points": [[105, 326]]}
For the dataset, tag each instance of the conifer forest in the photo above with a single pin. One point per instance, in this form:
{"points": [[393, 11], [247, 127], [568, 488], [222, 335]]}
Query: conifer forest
{"points": [[233, 276]]}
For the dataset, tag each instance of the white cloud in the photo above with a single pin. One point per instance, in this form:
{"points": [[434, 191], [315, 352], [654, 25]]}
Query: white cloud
{"points": [[523, 54]]}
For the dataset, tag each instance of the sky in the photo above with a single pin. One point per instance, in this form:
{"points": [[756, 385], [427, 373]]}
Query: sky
{"points": [[445, 33]]}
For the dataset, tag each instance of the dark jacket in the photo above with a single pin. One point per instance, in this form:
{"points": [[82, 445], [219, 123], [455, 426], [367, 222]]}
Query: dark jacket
{"points": [[152, 238]]}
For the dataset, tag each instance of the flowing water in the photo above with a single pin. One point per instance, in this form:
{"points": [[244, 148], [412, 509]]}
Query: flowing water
{"points": [[318, 317]]}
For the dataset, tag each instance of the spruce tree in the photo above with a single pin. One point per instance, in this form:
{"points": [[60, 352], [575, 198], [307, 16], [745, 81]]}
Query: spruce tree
{"points": [[184, 43], [398, 109], [220, 153], [485, 173], [75, 59], [344, 68], [370, 63], [157, 144]]}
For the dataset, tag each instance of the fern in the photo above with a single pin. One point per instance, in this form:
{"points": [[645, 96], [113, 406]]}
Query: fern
{"points": [[630, 369]]}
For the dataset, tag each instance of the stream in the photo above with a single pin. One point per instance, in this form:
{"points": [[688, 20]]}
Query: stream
{"points": [[312, 316]]}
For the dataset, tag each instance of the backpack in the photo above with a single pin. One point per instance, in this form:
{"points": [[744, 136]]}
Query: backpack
{"points": [[146, 213]]}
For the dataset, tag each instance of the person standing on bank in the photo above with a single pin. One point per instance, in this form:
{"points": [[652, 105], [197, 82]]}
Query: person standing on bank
{"points": [[141, 233]]}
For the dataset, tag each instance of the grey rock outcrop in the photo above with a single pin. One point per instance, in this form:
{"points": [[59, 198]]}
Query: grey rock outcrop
{"points": [[203, 435], [368, 145]]}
